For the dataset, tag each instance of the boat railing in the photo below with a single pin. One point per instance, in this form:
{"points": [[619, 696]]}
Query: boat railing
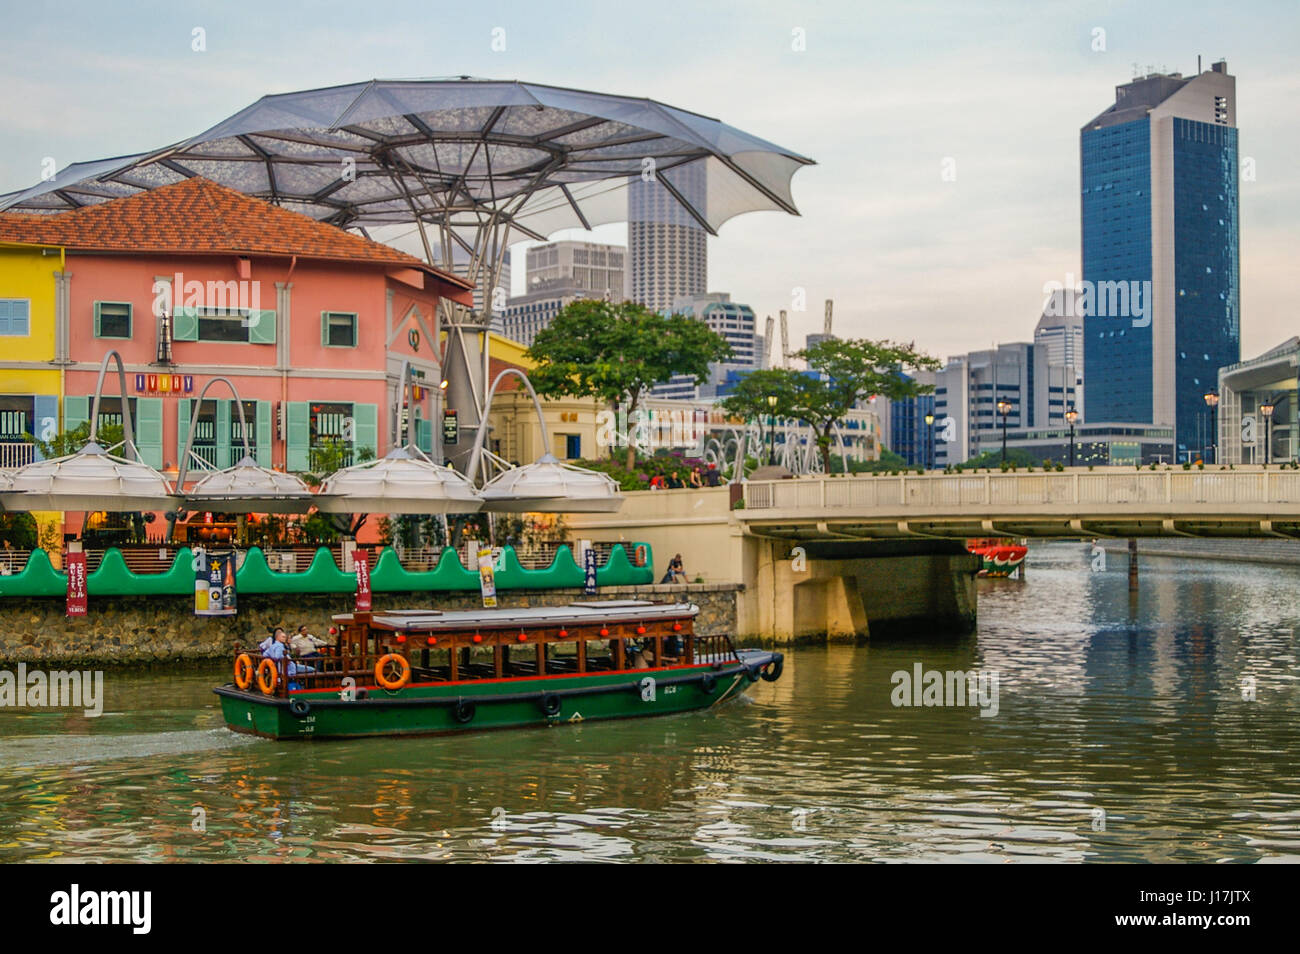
{"points": [[714, 650]]}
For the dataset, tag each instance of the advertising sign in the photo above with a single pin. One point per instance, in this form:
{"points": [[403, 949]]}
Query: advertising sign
{"points": [[75, 565], [486, 578], [214, 583], [361, 562]]}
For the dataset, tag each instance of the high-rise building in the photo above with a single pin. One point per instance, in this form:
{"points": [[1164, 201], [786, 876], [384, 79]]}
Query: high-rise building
{"points": [[559, 273], [1060, 332], [1159, 210], [969, 389], [737, 324], [667, 246]]}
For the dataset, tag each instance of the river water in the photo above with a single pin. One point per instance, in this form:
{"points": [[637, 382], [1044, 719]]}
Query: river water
{"points": [[1120, 734]]}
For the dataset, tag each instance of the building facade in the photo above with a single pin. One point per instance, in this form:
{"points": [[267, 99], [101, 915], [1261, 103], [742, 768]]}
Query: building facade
{"points": [[1246, 433], [559, 273], [734, 322], [667, 246], [1161, 276], [194, 281]]}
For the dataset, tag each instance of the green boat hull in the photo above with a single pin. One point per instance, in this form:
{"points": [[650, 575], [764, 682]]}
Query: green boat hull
{"points": [[492, 704]]}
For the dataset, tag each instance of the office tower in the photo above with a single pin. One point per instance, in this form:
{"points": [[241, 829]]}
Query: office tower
{"points": [[667, 250], [737, 324], [1159, 213], [1060, 332], [559, 273]]}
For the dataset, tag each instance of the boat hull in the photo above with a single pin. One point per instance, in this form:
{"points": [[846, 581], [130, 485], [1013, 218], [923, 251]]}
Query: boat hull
{"points": [[444, 708]]}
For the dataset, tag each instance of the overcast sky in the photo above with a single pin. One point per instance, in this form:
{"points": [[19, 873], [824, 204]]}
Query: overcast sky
{"points": [[880, 96]]}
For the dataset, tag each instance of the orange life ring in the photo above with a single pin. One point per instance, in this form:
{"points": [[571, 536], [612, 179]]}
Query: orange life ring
{"points": [[243, 670], [640, 554], [267, 676], [382, 677]]}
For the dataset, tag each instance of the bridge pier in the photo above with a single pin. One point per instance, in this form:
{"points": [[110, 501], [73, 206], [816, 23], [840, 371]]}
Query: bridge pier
{"points": [[858, 589]]}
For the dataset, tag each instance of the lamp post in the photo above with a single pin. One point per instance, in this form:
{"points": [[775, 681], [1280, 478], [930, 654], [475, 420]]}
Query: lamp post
{"points": [[927, 456], [1004, 408], [1212, 402], [771, 429], [1071, 415], [1267, 411]]}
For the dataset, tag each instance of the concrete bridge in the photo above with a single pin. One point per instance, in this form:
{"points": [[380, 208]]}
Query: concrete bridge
{"points": [[852, 556]]}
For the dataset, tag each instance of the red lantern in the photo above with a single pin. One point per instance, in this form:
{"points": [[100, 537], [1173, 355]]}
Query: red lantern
{"points": [[522, 638], [401, 638], [640, 630], [333, 631], [563, 633], [478, 638], [677, 627], [604, 631], [432, 640]]}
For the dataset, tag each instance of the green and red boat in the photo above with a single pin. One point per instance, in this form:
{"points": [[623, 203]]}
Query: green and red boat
{"points": [[423, 672], [1001, 557]]}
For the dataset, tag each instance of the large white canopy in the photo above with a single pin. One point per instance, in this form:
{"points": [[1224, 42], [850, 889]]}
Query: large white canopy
{"points": [[90, 479], [402, 481], [248, 488], [549, 486]]}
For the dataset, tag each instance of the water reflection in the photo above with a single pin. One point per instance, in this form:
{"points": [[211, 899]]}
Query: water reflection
{"points": [[1121, 734]]}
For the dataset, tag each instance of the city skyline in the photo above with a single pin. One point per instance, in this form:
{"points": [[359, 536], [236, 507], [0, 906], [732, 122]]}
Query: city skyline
{"points": [[950, 210]]}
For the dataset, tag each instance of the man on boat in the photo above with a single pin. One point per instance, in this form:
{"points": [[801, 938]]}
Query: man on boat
{"points": [[279, 651], [304, 645]]}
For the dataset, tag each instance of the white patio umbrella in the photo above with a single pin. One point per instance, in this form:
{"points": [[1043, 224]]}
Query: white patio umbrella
{"points": [[246, 487], [92, 478], [404, 480], [547, 485]]}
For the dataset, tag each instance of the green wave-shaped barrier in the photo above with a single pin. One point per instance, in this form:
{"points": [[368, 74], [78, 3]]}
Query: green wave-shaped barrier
{"points": [[113, 578]]}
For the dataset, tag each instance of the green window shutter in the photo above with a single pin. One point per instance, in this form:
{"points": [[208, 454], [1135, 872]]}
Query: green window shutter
{"points": [[261, 327], [183, 412], [97, 334], [424, 435], [148, 430], [365, 431], [264, 432], [76, 411], [223, 435], [185, 324], [324, 329], [298, 426]]}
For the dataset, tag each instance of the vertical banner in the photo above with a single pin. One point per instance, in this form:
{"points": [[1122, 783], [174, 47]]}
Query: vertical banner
{"points": [[486, 580], [214, 583], [75, 566], [589, 567], [361, 562]]}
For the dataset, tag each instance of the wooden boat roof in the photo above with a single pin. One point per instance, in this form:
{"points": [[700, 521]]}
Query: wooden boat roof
{"points": [[586, 613]]}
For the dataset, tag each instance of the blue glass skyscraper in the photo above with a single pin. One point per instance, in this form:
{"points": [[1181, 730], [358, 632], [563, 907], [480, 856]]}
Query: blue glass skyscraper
{"points": [[1161, 292]]}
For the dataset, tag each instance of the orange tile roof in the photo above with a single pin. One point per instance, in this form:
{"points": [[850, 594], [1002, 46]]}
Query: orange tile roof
{"points": [[199, 217]]}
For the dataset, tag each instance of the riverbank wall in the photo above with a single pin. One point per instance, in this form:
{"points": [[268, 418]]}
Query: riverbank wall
{"points": [[130, 631], [1278, 552]]}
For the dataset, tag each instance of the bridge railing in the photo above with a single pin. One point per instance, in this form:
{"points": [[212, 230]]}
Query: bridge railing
{"points": [[1169, 488]]}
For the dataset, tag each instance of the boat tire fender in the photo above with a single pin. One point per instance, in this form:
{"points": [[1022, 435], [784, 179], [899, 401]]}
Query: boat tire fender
{"points": [[550, 704], [463, 712], [300, 707], [708, 682], [774, 673], [754, 673]]}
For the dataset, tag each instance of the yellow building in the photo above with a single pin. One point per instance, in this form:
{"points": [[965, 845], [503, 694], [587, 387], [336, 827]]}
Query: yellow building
{"points": [[31, 384]]}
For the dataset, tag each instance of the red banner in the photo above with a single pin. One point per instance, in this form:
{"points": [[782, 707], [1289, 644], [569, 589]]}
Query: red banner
{"points": [[361, 561], [75, 566]]}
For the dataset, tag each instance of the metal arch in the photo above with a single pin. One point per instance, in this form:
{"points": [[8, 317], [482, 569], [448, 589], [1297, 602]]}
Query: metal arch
{"points": [[184, 464], [128, 432], [477, 454]]}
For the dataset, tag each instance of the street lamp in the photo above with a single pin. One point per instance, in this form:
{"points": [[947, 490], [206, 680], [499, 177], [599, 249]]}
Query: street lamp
{"points": [[1004, 408], [1071, 415], [771, 429], [1212, 402], [1267, 411], [927, 455]]}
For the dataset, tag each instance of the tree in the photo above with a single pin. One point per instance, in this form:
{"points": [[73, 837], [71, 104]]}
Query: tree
{"points": [[846, 371], [750, 397], [616, 351], [70, 441]]}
